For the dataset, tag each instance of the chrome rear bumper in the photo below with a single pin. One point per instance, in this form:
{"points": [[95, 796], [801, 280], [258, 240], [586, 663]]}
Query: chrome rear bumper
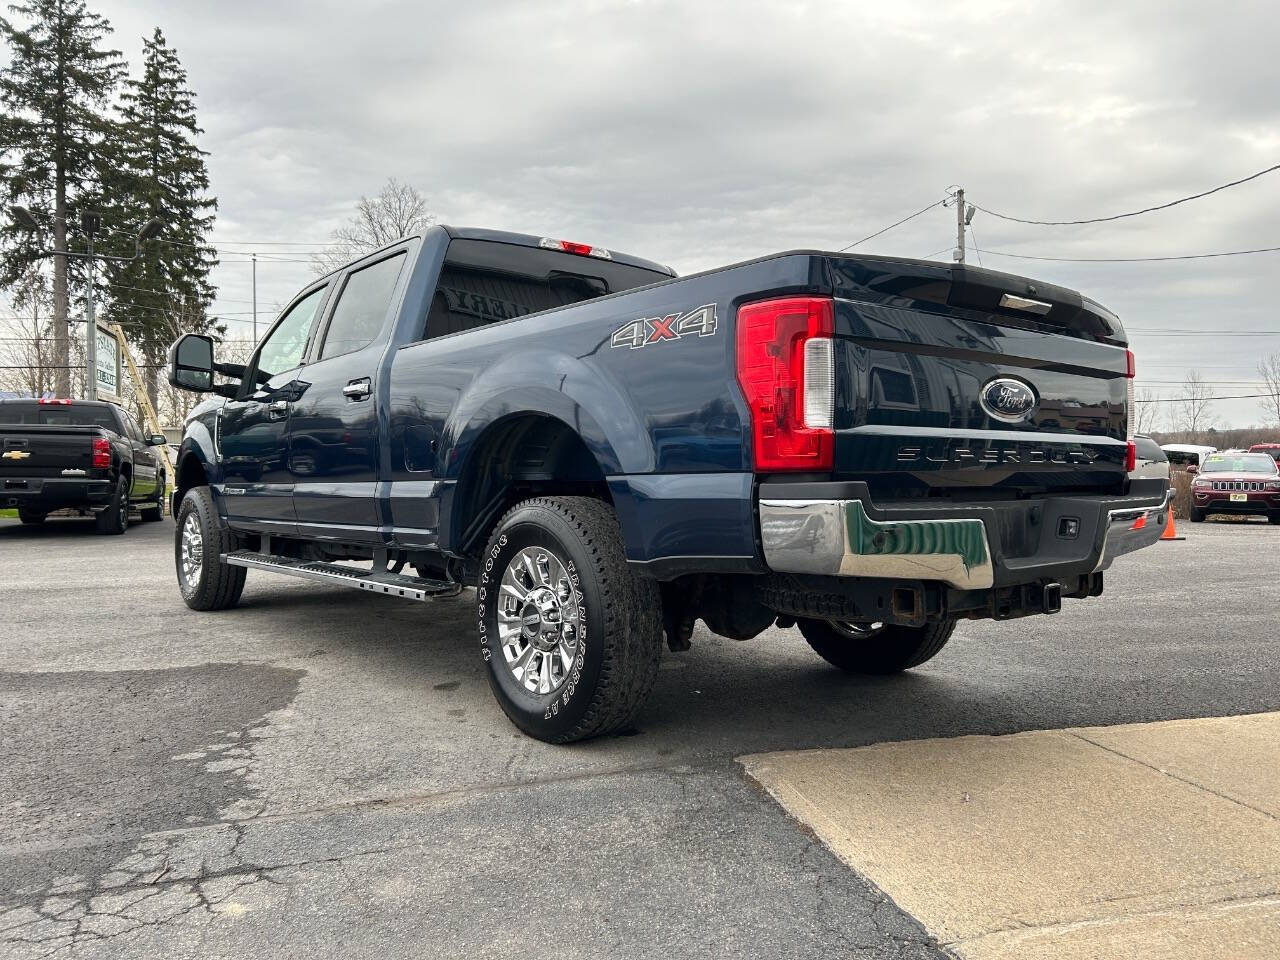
{"points": [[1133, 528], [838, 538]]}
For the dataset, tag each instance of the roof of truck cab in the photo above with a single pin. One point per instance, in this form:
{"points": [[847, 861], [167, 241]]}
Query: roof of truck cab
{"points": [[529, 240], [504, 236]]}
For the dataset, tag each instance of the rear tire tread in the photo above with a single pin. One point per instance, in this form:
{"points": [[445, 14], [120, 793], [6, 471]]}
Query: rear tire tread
{"points": [[114, 520]]}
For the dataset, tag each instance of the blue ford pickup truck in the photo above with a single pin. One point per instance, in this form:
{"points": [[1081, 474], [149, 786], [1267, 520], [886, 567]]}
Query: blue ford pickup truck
{"points": [[865, 448]]}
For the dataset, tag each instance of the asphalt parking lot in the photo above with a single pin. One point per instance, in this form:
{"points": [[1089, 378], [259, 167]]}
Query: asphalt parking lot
{"points": [[324, 773]]}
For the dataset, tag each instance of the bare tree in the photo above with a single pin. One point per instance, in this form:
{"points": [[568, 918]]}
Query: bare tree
{"points": [[1193, 403], [396, 212], [1269, 370], [1146, 412], [31, 362]]}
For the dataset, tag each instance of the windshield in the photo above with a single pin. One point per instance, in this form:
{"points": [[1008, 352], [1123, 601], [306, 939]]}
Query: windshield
{"points": [[1239, 463], [69, 415]]}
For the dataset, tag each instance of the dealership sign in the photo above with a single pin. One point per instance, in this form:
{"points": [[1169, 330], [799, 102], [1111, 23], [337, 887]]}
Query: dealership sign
{"points": [[108, 365]]}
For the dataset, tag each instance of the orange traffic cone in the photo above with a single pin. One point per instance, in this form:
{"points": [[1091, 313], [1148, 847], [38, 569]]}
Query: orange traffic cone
{"points": [[1171, 531]]}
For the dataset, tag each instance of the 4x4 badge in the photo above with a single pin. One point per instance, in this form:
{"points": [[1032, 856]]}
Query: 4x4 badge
{"points": [[700, 321]]}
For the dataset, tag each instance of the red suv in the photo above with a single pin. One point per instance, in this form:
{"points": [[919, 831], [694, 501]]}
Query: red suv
{"points": [[1271, 449], [1240, 483]]}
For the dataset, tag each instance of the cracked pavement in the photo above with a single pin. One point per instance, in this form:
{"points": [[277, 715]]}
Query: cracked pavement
{"points": [[324, 773]]}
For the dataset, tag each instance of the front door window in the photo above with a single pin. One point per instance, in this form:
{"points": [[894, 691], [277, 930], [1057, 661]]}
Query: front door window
{"points": [[283, 348]]}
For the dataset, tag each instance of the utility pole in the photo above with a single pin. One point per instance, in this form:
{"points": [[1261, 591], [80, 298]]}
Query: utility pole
{"points": [[959, 255], [89, 222], [255, 299]]}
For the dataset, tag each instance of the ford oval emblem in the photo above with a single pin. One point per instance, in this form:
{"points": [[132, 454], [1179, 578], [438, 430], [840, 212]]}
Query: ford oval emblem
{"points": [[1008, 399]]}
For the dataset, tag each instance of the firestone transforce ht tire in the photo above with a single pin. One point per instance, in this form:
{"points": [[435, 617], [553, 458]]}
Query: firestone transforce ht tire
{"points": [[866, 648], [115, 518], [570, 633], [200, 539]]}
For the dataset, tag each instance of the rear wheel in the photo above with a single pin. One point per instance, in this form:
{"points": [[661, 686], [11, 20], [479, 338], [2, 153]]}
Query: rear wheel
{"points": [[30, 517], [200, 539], [115, 518], [875, 648], [154, 510], [1197, 515], [570, 634]]}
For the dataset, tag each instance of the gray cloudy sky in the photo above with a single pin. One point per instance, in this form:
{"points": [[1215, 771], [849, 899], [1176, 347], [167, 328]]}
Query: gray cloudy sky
{"points": [[699, 133]]}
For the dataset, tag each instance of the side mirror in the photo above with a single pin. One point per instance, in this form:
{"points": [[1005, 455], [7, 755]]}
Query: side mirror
{"points": [[156, 440], [191, 363]]}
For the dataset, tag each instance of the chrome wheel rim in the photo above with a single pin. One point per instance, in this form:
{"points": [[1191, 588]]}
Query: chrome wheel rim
{"points": [[857, 631], [539, 620], [192, 550]]}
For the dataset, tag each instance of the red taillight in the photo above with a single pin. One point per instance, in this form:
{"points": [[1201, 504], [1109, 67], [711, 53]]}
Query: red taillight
{"points": [[101, 453], [790, 431], [1130, 457], [55, 401], [578, 249], [1131, 371]]}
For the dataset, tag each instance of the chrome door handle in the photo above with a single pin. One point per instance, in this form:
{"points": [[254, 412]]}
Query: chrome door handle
{"points": [[357, 389], [278, 409]]}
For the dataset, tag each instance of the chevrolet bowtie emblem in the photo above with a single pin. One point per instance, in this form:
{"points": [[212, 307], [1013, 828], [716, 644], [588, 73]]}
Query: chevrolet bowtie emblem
{"points": [[16, 454]]}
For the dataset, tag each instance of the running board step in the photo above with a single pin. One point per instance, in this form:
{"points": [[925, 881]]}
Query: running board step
{"points": [[392, 584]]}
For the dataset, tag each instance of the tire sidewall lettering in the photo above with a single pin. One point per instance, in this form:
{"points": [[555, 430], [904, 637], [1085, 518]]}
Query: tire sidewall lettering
{"points": [[567, 703]]}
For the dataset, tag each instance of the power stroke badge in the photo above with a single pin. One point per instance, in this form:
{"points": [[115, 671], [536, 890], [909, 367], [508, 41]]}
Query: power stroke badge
{"points": [[699, 322]]}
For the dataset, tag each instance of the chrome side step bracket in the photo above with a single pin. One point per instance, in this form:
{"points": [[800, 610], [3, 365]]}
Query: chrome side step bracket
{"points": [[391, 584]]}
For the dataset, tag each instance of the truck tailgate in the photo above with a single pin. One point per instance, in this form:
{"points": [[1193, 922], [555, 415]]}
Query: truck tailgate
{"points": [[957, 382], [35, 450]]}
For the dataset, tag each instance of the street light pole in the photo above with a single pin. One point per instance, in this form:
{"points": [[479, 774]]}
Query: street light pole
{"points": [[255, 299], [90, 223]]}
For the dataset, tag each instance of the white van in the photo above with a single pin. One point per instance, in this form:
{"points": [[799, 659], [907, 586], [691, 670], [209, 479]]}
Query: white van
{"points": [[1183, 455]]}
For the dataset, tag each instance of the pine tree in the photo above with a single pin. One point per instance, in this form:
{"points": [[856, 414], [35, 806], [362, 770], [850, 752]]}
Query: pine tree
{"points": [[160, 172], [55, 94]]}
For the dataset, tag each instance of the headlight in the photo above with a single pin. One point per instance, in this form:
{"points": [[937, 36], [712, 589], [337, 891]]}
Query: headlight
{"points": [[1201, 483], [1273, 484]]}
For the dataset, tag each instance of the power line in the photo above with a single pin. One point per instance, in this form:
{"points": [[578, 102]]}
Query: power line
{"points": [[936, 203], [1133, 213], [976, 249], [1186, 256], [1208, 333], [112, 218], [1237, 396]]}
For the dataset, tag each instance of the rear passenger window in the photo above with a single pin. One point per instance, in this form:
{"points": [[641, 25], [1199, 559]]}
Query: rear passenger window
{"points": [[486, 281], [362, 306]]}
